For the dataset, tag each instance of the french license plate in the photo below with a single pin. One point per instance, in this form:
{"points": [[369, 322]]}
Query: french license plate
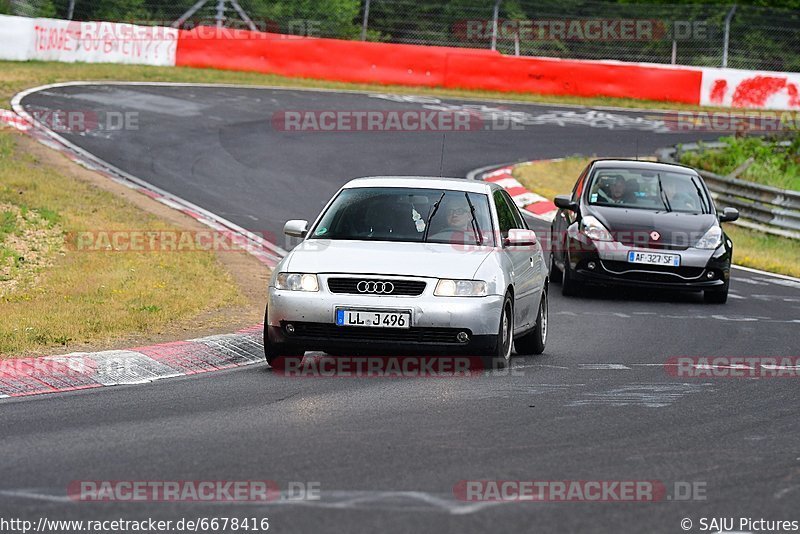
{"points": [[374, 318], [654, 258]]}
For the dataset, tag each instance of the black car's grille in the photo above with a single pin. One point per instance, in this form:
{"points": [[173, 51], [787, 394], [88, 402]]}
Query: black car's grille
{"points": [[377, 286], [654, 245], [652, 273], [331, 332]]}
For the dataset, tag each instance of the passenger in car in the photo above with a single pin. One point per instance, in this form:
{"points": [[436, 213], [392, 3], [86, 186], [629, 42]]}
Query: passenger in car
{"points": [[680, 196]]}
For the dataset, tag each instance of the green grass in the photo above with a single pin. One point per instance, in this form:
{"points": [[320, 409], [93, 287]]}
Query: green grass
{"points": [[774, 165], [763, 251], [551, 178], [8, 224], [750, 248], [54, 294], [17, 76]]}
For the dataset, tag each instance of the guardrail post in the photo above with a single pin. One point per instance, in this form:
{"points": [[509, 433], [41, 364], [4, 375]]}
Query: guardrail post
{"points": [[726, 37], [365, 22], [495, 14]]}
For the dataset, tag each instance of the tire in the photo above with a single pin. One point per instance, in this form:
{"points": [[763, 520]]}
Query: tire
{"points": [[276, 353], [555, 273], [716, 296], [534, 341], [569, 286], [500, 357]]}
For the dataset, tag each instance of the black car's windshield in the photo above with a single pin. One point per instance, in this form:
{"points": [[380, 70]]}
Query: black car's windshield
{"points": [[407, 214], [650, 190]]}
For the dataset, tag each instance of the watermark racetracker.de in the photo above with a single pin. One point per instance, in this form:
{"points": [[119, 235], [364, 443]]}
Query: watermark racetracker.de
{"points": [[705, 367], [606, 491], [582, 29]]}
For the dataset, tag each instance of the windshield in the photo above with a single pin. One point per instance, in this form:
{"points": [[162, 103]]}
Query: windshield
{"points": [[651, 190], [406, 214]]}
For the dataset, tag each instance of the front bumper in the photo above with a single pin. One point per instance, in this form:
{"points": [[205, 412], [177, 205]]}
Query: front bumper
{"points": [[435, 321], [699, 269]]}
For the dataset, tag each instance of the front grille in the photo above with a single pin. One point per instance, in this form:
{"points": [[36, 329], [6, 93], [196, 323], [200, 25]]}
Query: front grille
{"points": [[654, 245], [331, 332], [411, 288], [652, 273]]}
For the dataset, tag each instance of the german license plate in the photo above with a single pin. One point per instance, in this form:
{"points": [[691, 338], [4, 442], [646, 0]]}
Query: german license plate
{"points": [[654, 258], [374, 318]]}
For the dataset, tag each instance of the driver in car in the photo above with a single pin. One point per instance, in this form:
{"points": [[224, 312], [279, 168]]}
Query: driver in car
{"points": [[616, 191], [458, 217], [457, 222]]}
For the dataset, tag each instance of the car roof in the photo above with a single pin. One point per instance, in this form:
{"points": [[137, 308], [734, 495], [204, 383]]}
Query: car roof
{"points": [[423, 182], [641, 165]]}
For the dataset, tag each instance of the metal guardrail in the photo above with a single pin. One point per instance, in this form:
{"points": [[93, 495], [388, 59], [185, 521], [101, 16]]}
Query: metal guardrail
{"points": [[761, 207]]}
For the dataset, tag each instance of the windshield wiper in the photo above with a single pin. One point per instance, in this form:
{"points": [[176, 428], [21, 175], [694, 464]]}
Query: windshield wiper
{"points": [[702, 198], [475, 227], [663, 194], [434, 209]]}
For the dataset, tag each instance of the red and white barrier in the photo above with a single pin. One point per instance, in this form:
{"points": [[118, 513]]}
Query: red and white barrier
{"points": [[383, 63], [432, 66], [89, 42], [750, 89]]}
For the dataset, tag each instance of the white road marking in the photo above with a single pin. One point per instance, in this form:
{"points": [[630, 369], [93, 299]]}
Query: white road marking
{"points": [[750, 281], [716, 317], [645, 395], [603, 366], [24, 494], [765, 273], [784, 491], [342, 500], [780, 367]]}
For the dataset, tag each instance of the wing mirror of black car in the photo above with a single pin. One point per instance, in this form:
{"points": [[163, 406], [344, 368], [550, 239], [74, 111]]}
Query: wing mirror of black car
{"points": [[729, 215], [565, 203], [296, 228]]}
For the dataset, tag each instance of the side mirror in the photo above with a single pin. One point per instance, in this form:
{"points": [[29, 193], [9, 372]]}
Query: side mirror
{"points": [[518, 237], [565, 203], [296, 228], [729, 215]]}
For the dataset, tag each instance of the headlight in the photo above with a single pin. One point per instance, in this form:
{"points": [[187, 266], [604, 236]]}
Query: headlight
{"points": [[460, 288], [712, 239], [594, 229], [297, 282]]}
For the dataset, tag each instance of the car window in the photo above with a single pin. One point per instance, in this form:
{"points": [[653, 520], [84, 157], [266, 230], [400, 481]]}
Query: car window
{"points": [[649, 190], [505, 213], [407, 214], [519, 222], [578, 189]]}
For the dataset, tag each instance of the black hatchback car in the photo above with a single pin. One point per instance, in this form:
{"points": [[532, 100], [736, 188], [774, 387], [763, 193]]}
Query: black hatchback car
{"points": [[643, 224]]}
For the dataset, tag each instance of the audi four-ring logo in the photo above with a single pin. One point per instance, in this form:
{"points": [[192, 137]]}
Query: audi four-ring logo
{"points": [[366, 286]]}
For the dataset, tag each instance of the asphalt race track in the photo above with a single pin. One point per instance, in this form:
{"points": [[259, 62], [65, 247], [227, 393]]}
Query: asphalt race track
{"points": [[387, 453]]}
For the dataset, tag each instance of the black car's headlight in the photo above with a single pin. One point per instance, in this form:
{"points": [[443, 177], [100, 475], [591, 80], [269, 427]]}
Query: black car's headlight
{"points": [[711, 239], [297, 282], [594, 229]]}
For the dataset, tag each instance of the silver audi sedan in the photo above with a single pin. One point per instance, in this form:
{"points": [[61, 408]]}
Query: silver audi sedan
{"points": [[411, 265]]}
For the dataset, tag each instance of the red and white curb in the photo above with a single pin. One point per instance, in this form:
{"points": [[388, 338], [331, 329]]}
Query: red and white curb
{"points": [[82, 370], [86, 370], [10, 118], [535, 204]]}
